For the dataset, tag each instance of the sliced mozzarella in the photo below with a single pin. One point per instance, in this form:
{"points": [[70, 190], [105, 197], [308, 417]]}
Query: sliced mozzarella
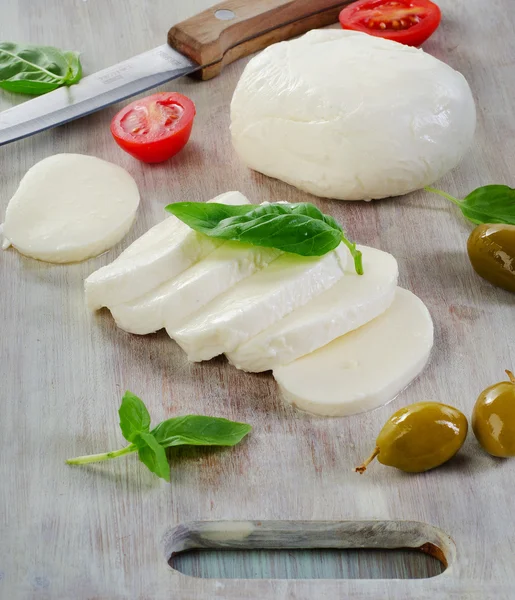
{"points": [[257, 302], [173, 302], [161, 253], [70, 207], [349, 304], [365, 368]]}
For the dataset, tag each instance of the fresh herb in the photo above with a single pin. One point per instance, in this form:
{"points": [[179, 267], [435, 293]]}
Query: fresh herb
{"points": [[190, 430], [37, 70], [296, 228], [487, 204]]}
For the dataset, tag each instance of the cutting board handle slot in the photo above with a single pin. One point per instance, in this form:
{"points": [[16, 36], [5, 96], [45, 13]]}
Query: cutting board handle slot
{"points": [[309, 535]]}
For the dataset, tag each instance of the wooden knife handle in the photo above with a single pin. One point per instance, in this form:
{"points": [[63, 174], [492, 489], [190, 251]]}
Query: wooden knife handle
{"points": [[237, 28]]}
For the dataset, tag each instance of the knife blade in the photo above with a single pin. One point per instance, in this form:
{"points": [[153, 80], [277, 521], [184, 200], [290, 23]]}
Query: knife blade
{"points": [[204, 44], [130, 77]]}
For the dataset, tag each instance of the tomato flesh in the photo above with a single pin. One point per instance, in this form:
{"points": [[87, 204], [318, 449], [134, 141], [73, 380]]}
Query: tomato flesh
{"points": [[154, 128], [409, 22]]}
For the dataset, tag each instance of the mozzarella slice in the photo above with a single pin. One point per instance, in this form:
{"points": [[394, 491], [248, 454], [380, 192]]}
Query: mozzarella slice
{"points": [[365, 368], [70, 207], [353, 301], [258, 302], [173, 302], [160, 254]]}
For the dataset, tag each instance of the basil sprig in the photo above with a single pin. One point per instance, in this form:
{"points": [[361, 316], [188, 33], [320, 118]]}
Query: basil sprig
{"points": [[37, 70], [296, 228], [189, 430], [487, 204]]}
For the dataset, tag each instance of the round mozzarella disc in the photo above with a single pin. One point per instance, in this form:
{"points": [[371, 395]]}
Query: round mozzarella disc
{"points": [[70, 207]]}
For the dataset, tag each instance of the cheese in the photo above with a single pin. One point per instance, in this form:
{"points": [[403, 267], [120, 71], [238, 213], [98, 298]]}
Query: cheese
{"points": [[174, 301], [157, 256], [70, 207], [258, 302], [347, 115], [353, 301], [365, 368]]}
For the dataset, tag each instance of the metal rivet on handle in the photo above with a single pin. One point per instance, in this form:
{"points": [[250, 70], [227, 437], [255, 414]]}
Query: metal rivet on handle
{"points": [[224, 15]]}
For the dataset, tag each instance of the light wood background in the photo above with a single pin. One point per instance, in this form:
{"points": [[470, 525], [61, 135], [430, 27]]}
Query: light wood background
{"points": [[98, 532]]}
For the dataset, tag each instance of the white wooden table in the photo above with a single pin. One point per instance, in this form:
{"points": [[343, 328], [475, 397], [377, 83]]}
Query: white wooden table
{"points": [[103, 531]]}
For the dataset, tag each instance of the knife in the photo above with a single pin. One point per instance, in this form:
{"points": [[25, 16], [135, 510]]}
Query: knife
{"points": [[202, 46]]}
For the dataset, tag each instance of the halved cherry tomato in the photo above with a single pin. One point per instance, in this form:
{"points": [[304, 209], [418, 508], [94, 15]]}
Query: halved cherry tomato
{"points": [[154, 128], [409, 22]]}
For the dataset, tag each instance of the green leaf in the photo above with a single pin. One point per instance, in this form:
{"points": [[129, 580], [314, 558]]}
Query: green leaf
{"points": [[74, 68], [198, 430], [153, 455], [297, 228], [487, 204], [205, 216], [134, 417], [36, 70], [490, 204]]}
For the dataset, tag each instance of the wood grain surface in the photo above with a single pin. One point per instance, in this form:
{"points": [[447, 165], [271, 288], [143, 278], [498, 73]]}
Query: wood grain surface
{"points": [[101, 532]]}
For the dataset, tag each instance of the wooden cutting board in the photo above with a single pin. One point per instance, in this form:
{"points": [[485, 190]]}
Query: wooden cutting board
{"points": [[106, 531]]}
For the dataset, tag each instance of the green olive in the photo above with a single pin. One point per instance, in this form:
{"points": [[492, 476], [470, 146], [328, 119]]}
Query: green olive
{"points": [[419, 437], [491, 249], [493, 419]]}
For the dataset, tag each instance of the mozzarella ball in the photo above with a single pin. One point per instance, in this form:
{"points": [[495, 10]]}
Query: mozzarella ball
{"points": [[346, 115]]}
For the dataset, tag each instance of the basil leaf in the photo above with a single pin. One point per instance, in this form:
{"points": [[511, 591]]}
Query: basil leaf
{"points": [[153, 455], [288, 227], [134, 417], [487, 204], [192, 430], [297, 228], [74, 68], [203, 217], [198, 430], [36, 70], [490, 204]]}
